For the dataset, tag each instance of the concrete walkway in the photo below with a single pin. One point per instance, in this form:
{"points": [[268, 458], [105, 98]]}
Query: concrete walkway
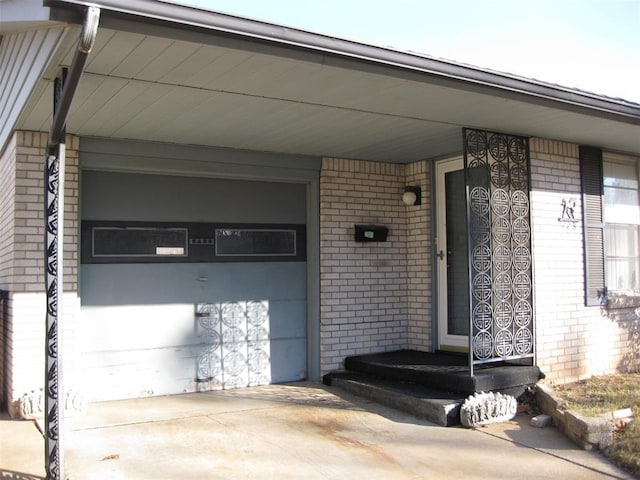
{"points": [[294, 431]]}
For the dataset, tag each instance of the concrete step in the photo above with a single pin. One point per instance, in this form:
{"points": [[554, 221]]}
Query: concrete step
{"points": [[441, 408], [444, 371]]}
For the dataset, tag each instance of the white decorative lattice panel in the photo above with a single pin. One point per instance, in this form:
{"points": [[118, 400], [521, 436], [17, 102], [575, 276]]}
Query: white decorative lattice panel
{"points": [[237, 339], [497, 177]]}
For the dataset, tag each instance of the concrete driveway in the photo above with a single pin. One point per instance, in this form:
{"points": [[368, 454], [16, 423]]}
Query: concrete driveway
{"points": [[293, 431]]}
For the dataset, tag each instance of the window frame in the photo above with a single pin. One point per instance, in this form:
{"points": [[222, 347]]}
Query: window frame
{"points": [[608, 257]]}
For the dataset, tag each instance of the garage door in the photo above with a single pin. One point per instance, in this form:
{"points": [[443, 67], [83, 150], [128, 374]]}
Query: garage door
{"points": [[190, 283]]}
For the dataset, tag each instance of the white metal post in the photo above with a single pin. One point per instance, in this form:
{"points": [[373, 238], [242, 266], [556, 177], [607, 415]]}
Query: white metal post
{"points": [[54, 264]]}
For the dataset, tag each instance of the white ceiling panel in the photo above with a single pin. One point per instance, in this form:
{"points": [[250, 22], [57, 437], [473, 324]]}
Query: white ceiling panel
{"points": [[138, 86], [146, 51], [196, 69], [95, 94], [109, 51], [120, 108], [38, 117], [169, 59]]}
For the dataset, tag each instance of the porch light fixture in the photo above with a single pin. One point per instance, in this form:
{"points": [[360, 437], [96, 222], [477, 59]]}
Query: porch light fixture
{"points": [[412, 196]]}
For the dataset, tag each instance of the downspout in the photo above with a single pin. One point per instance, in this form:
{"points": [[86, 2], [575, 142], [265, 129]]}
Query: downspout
{"points": [[63, 104], [54, 399]]}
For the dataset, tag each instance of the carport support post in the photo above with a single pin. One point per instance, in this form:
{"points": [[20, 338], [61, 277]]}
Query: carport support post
{"points": [[54, 254], [64, 91]]}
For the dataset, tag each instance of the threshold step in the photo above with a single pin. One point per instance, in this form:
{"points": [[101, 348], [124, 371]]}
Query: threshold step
{"points": [[441, 408]]}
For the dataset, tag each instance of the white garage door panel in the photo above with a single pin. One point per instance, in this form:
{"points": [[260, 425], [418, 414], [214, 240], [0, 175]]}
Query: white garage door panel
{"points": [[142, 334]]}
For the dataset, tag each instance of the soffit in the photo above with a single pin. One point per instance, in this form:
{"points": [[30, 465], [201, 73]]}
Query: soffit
{"points": [[159, 88]]}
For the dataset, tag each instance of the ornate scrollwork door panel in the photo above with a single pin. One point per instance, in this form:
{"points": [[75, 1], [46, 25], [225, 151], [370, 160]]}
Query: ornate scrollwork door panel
{"points": [[501, 300]]}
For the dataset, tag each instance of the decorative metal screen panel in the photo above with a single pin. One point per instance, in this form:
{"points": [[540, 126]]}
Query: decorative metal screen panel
{"points": [[501, 305], [237, 345]]}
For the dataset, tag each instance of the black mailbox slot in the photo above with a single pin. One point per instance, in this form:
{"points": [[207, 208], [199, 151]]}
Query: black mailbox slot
{"points": [[371, 233]]}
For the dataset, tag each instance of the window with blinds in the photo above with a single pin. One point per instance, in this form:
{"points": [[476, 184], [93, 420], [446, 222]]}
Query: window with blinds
{"points": [[621, 214], [611, 214]]}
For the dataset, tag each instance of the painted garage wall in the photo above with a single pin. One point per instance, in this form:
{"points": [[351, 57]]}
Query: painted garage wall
{"points": [[141, 334]]}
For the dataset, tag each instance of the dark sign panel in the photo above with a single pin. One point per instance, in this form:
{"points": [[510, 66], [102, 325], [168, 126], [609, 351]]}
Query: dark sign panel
{"points": [[241, 242], [162, 242], [138, 242]]}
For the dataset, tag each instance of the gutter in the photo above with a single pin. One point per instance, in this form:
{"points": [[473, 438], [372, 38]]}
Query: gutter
{"points": [[183, 16]]}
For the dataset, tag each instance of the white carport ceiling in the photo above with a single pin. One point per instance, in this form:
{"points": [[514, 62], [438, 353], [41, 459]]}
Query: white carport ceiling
{"points": [[149, 87]]}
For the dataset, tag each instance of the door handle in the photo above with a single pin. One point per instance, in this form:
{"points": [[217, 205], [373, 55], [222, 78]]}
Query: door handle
{"points": [[441, 255]]}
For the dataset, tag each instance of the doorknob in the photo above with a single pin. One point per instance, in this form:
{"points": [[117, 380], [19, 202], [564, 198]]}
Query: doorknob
{"points": [[441, 255]]}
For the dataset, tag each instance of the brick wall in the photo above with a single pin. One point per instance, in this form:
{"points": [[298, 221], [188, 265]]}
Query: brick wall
{"points": [[7, 211], [7, 216], [573, 341], [21, 247], [377, 297], [363, 286], [419, 264]]}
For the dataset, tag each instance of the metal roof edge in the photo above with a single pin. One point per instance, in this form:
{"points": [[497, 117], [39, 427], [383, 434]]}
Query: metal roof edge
{"points": [[177, 14]]}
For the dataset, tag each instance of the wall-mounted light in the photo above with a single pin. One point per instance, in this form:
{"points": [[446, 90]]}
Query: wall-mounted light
{"points": [[412, 196]]}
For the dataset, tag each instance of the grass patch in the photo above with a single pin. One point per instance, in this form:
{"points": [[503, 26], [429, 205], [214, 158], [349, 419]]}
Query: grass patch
{"points": [[603, 394], [625, 451]]}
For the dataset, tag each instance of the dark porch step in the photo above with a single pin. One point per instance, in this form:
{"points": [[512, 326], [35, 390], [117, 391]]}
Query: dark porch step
{"points": [[445, 372], [441, 408], [427, 385]]}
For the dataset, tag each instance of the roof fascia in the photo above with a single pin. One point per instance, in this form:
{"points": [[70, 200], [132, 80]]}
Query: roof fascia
{"points": [[160, 13]]}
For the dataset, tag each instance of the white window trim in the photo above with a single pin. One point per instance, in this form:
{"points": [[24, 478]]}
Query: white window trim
{"points": [[613, 157]]}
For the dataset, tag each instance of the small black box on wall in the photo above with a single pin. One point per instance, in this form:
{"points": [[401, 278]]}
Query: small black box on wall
{"points": [[371, 233]]}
